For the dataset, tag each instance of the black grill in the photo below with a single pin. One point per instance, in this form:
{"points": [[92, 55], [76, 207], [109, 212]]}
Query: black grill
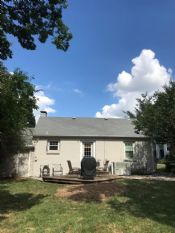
{"points": [[88, 167]]}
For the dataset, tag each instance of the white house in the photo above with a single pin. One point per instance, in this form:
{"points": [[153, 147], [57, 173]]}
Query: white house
{"points": [[55, 140]]}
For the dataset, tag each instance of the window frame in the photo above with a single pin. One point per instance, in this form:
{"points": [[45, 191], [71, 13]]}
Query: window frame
{"points": [[53, 151], [93, 147], [88, 151], [129, 157]]}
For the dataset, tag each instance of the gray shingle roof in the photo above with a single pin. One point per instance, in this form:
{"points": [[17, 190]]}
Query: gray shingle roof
{"points": [[85, 127]]}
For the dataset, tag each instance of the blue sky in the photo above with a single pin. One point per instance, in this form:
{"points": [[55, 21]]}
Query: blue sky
{"points": [[107, 35]]}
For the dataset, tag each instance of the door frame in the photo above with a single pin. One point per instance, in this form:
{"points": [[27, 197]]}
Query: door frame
{"points": [[93, 152]]}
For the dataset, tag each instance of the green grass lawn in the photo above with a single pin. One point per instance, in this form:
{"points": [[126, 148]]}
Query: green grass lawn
{"points": [[31, 206]]}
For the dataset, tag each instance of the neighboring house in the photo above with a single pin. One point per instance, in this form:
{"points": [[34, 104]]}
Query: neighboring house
{"points": [[161, 151], [58, 139]]}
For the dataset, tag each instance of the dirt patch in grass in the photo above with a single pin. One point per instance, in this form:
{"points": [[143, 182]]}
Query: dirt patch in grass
{"points": [[5, 231], [112, 228], [90, 192]]}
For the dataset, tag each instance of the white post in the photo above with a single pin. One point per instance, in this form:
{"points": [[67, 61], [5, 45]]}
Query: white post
{"points": [[29, 161], [166, 152]]}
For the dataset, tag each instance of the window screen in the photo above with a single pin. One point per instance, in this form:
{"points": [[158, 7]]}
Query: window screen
{"points": [[129, 149], [53, 145]]}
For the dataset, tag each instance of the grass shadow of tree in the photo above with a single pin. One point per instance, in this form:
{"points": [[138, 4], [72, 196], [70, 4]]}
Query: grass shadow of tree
{"points": [[16, 202], [147, 199]]}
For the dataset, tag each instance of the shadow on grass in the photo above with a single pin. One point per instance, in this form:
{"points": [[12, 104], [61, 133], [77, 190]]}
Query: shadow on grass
{"points": [[147, 199], [10, 202]]}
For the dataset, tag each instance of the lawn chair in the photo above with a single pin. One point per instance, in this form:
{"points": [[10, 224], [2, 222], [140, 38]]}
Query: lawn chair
{"points": [[57, 170], [106, 165], [103, 170], [44, 170], [73, 170]]}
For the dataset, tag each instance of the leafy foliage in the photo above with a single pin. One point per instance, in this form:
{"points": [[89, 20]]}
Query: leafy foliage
{"points": [[17, 102], [30, 18], [155, 116]]}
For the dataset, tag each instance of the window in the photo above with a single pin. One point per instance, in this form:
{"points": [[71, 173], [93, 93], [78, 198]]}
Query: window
{"points": [[129, 150], [87, 149], [53, 145]]}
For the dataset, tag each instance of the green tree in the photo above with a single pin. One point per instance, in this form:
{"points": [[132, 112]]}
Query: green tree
{"points": [[31, 18], [17, 102], [155, 116]]}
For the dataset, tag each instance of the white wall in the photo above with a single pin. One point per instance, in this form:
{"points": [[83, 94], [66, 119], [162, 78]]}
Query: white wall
{"points": [[69, 150], [112, 150]]}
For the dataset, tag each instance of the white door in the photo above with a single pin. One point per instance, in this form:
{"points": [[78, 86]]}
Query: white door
{"points": [[88, 149]]}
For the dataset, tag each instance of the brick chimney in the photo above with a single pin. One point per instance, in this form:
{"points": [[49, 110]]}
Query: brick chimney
{"points": [[43, 114]]}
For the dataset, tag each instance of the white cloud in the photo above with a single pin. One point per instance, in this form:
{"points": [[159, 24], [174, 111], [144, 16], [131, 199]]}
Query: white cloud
{"points": [[147, 75], [77, 91], [49, 86], [44, 103]]}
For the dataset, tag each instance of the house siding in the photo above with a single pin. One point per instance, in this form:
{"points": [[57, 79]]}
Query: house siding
{"points": [[69, 150], [105, 149], [111, 150], [28, 164]]}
